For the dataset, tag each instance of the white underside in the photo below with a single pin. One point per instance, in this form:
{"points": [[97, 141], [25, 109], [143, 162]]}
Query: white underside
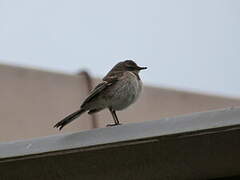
{"points": [[126, 92]]}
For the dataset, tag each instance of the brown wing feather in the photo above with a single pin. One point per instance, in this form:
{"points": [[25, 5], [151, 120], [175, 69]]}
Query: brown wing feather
{"points": [[107, 81]]}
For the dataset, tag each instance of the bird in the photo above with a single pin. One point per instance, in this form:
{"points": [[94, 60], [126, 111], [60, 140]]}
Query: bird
{"points": [[119, 89]]}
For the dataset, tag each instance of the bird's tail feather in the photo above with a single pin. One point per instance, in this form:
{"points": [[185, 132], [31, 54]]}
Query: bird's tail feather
{"points": [[69, 119]]}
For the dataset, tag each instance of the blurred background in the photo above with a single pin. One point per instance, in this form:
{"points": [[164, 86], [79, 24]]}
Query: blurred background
{"points": [[191, 49], [187, 44]]}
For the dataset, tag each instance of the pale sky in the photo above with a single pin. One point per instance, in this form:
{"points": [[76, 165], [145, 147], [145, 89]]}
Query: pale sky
{"points": [[186, 44]]}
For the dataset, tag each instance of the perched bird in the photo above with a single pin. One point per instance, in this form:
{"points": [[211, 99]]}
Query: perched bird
{"points": [[118, 89]]}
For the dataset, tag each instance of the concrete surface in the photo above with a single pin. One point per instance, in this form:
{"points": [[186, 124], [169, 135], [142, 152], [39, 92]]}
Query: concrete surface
{"points": [[196, 146]]}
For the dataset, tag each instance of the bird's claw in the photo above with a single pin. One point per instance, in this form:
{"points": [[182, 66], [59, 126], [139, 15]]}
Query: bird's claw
{"points": [[110, 125]]}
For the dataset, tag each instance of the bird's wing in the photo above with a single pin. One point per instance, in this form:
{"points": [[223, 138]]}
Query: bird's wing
{"points": [[107, 81]]}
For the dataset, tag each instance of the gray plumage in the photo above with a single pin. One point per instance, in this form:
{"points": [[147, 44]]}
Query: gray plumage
{"points": [[119, 89]]}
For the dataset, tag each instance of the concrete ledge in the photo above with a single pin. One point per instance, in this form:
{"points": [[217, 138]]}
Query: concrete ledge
{"points": [[197, 146]]}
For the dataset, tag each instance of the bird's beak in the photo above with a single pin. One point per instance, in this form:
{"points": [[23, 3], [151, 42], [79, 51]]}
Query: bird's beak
{"points": [[142, 68]]}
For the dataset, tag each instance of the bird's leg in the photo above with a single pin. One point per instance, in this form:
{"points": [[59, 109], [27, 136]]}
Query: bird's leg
{"points": [[115, 118]]}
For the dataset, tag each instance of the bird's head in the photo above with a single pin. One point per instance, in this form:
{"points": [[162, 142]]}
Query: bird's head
{"points": [[128, 65]]}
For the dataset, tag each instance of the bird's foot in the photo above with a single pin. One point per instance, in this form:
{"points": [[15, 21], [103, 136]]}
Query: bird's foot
{"points": [[110, 125]]}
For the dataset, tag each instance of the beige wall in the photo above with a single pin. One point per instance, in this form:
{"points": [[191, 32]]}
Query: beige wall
{"points": [[32, 101]]}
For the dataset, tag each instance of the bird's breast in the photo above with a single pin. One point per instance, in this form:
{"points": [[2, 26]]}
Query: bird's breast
{"points": [[126, 91]]}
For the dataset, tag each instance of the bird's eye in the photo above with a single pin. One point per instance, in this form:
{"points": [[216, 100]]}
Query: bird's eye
{"points": [[130, 65], [131, 68]]}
